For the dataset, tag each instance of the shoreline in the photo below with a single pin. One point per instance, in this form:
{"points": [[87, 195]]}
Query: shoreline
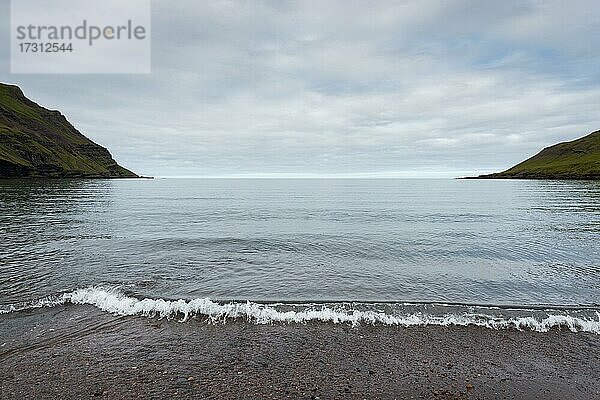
{"points": [[591, 178], [82, 352], [72, 178]]}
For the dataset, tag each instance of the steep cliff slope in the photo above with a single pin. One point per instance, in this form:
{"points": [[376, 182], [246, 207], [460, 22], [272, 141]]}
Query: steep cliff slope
{"points": [[37, 142]]}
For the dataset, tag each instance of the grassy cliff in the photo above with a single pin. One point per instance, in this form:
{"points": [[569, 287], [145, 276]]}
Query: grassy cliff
{"points": [[578, 159], [37, 142]]}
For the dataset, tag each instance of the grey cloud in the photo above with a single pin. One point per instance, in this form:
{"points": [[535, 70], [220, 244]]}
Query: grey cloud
{"points": [[356, 88]]}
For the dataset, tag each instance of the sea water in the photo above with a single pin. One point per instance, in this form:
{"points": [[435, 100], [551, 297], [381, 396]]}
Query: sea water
{"points": [[493, 253]]}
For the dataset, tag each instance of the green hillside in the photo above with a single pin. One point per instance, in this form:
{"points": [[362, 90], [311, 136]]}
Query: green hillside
{"points": [[37, 142], [578, 159]]}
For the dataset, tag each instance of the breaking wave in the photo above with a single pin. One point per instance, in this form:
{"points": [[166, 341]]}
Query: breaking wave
{"points": [[115, 302]]}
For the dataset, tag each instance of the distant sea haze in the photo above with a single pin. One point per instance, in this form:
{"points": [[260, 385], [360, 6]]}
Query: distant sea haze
{"points": [[494, 253]]}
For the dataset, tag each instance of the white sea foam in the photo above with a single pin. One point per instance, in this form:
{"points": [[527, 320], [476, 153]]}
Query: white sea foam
{"points": [[112, 301], [45, 302]]}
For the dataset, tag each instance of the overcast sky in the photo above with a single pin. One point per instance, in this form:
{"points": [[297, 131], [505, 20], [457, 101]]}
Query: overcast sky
{"points": [[340, 88]]}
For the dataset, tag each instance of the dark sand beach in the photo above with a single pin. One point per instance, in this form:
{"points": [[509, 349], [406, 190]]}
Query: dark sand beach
{"points": [[80, 352]]}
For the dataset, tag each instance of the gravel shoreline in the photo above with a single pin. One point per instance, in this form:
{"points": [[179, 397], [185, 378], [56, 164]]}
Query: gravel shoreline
{"points": [[80, 352]]}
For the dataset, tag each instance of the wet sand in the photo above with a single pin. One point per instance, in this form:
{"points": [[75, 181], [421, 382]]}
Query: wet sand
{"points": [[80, 352]]}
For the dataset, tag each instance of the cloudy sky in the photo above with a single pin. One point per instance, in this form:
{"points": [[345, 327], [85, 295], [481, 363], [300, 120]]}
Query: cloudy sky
{"points": [[340, 88]]}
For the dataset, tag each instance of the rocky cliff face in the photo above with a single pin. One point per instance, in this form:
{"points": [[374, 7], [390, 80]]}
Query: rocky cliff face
{"points": [[578, 159], [37, 142]]}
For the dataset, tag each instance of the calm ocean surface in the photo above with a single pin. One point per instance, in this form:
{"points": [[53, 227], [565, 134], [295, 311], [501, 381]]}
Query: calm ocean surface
{"points": [[510, 243]]}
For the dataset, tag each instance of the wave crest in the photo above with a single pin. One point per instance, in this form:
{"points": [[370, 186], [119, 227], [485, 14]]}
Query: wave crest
{"points": [[112, 301]]}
